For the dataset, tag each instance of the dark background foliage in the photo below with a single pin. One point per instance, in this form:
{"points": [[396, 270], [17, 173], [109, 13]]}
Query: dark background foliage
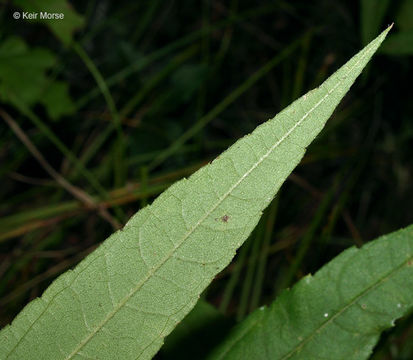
{"points": [[120, 99]]}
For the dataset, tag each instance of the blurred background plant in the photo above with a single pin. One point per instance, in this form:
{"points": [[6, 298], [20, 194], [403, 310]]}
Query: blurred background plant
{"points": [[103, 110]]}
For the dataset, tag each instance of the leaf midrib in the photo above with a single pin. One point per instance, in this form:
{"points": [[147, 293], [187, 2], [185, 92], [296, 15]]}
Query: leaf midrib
{"points": [[152, 271]]}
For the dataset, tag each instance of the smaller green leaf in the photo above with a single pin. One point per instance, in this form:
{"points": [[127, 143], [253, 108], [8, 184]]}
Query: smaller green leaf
{"points": [[338, 313], [57, 101], [22, 70], [62, 28], [23, 73]]}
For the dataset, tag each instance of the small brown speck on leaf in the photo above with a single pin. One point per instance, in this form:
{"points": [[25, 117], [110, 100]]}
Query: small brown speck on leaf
{"points": [[225, 218]]}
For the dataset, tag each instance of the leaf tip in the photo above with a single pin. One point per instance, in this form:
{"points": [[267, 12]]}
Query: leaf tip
{"points": [[383, 35], [389, 27]]}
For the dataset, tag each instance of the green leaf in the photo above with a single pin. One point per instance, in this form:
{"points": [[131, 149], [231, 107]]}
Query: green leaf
{"points": [[22, 70], [125, 297], [57, 101], [338, 313], [62, 28]]}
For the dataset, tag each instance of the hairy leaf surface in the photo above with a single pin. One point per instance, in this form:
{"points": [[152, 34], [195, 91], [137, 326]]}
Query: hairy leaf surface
{"points": [[124, 298], [338, 313]]}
